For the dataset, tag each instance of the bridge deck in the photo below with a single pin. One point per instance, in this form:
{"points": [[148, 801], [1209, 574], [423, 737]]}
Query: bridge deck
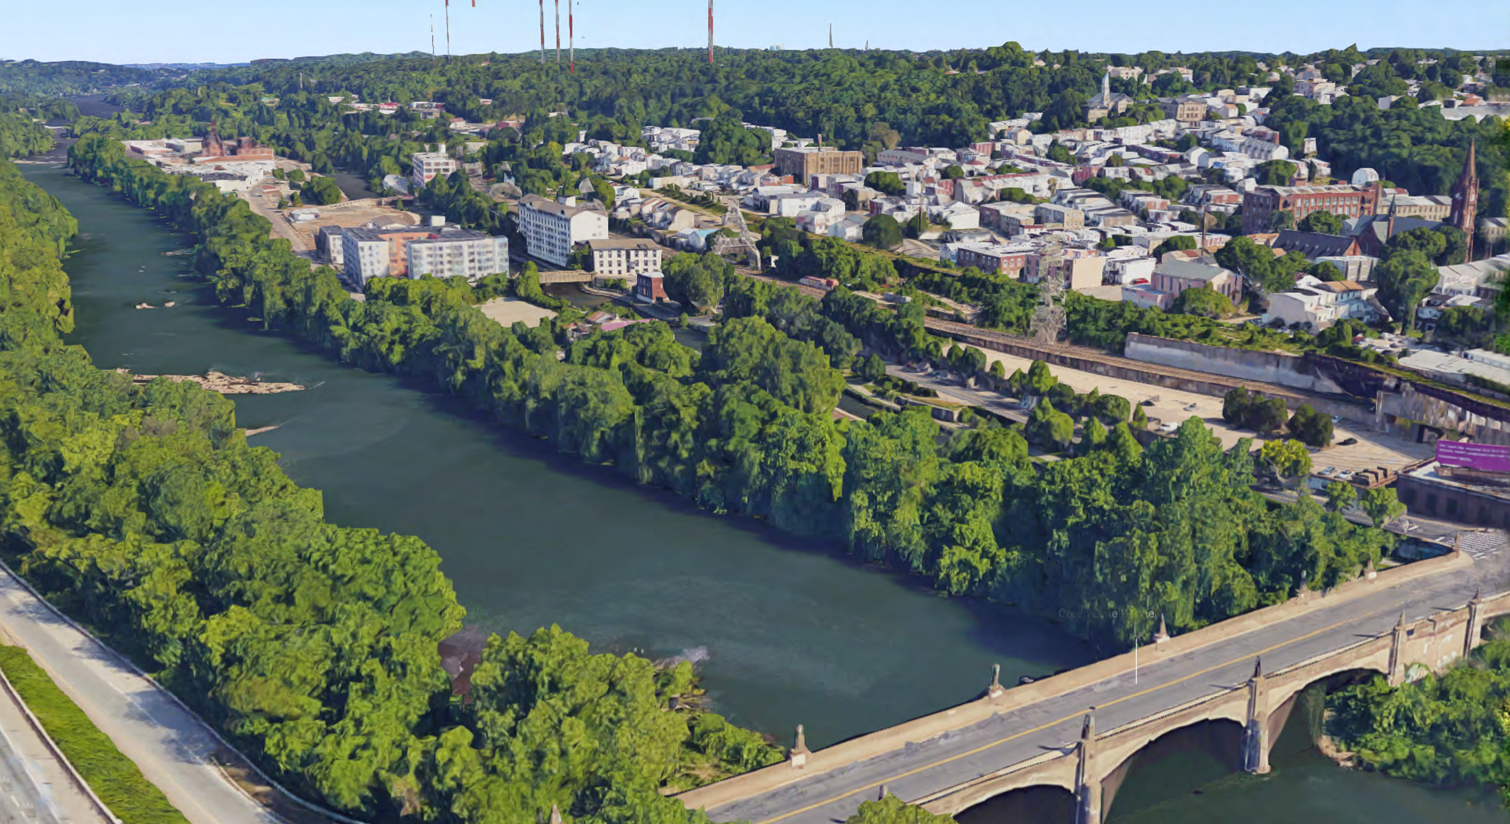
{"points": [[988, 742]]}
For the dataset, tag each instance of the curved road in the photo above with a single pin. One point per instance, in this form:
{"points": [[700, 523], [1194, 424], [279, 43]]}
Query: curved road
{"points": [[173, 748], [921, 769]]}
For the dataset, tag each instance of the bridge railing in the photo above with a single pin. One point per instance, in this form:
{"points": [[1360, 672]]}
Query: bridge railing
{"points": [[933, 725]]}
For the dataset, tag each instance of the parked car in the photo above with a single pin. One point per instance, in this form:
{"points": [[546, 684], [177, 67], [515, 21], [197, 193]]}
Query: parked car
{"points": [[1168, 427], [1345, 476], [1327, 472]]}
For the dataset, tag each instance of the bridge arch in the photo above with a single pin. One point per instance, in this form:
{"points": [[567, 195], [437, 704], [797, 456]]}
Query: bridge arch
{"points": [[1220, 735], [1035, 804]]}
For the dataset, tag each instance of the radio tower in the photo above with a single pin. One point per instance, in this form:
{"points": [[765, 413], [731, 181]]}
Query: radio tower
{"points": [[542, 32], [432, 41], [558, 32], [710, 32], [830, 35], [448, 32], [571, 34]]}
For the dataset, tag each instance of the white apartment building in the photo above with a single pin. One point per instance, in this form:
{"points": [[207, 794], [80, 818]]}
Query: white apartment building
{"points": [[429, 164], [454, 252], [1315, 305], [551, 229], [624, 257]]}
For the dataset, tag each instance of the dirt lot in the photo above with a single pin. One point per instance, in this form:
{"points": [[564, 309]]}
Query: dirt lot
{"points": [[1372, 450], [349, 214], [509, 310]]}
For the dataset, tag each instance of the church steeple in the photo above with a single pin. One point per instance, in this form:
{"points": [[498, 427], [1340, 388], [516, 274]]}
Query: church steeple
{"points": [[1106, 88], [1465, 198]]}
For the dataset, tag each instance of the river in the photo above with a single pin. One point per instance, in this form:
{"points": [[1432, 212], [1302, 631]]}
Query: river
{"points": [[792, 632]]}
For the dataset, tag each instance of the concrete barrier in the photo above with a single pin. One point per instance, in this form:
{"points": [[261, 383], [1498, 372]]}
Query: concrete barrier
{"points": [[57, 753]]}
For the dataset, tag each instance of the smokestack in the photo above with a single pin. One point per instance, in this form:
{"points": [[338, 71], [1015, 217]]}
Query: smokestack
{"points": [[710, 32], [558, 32], [571, 33]]}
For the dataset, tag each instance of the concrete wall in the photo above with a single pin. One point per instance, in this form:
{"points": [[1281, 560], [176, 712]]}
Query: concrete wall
{"points": [[1268, 367]]}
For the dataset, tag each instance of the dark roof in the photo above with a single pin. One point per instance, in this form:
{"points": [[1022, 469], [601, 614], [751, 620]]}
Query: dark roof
{"points": [[1314, 244], [1378, 225]]}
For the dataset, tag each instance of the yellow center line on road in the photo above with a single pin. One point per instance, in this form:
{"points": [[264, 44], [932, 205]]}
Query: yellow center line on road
{"points": [[1056, 723]]}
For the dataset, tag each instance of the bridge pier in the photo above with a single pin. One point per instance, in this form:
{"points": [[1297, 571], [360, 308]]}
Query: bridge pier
{"points": [[1256, 730], [1087, 782], [1397, 654], [1475, 626]]}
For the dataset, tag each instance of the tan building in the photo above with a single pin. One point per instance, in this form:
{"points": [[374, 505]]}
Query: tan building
{"points": [[1426, 207], [1185, 111], [1064, 216], [802, 164], [624, 257]]}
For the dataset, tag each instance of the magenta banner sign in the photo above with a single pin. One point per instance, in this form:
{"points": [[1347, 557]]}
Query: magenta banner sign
{"points": [[1481, 456]]}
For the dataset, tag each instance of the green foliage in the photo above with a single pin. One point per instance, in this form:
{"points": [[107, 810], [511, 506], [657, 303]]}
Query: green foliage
{"points": [[887, 183], [1446, 730], [870, 368], [1310, 427], [1205, 302], [113, 777], [1274, 173], [882, 232], [1322, 222], [1178, 243], [1049, 428], [725, 140], [322, 191], [698, 280], [1405, 278], [751, 350], [1381, 504], [892, 810], [1288, 459]]}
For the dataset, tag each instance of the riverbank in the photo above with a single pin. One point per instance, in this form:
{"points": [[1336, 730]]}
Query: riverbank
{"points": [[221, 383]]}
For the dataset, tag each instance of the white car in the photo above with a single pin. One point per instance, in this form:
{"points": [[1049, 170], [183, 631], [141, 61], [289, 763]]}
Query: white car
{"points": [[1168, 427]]}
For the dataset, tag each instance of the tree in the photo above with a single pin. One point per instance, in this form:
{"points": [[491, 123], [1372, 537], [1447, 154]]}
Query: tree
{"points": [[887, 183], [1267, 415], [1321, 222], [1178, 243], [892, 810], [1381, 504], [1340, 496], [1274, 173], [882, 232], [1204, 302], [954, 172], [917, 225], [1281, 220], [871, 369], [697, 280], [1405, 278], [1324, 270], [1139, 418], [1310, 427], [1059, 154], [1040, 379], [1288, 459], [1049, 428]]}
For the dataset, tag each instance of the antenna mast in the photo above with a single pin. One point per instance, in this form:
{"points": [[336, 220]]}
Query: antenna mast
{"points": [[710, 32], [571, 33], [448, 32], [558, 32], [830, 35], [542, 32], [432, 40]]}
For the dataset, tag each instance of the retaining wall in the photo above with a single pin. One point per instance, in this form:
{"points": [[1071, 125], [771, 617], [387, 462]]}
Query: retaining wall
{"points": [[1292, 371]]}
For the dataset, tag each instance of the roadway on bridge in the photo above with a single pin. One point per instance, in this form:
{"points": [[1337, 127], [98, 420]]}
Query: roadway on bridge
{"points": [[922, 769]]}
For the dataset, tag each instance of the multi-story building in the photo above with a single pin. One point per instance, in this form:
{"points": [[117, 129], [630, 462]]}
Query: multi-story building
{"points": [[624, 257], [377, 253], [328, 245], [802, 164], [1065, 216], [551, 229], [992, 258], [1344, 201], [1175, 276], [1077, 269], [1426, 207], [454, 252], [429, 164], [1315, 305], [1185, 109]]}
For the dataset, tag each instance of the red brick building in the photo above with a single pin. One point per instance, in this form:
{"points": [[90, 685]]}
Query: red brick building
{"points": [[1343, 201], [991, 258]]}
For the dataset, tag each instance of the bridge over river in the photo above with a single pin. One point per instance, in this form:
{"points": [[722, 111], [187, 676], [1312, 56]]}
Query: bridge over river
{"points": [[1078, 731]]}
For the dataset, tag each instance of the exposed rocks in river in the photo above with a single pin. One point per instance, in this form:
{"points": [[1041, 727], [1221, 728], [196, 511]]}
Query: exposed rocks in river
{"points": [[222, 383]]}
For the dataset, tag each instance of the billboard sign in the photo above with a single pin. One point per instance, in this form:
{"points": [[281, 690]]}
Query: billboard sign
{"points": [[1481, 456]]}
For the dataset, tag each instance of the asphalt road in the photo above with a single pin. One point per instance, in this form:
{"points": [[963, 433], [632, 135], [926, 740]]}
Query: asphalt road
{"points": [[173, 748], [34, 785], [924, 768]]}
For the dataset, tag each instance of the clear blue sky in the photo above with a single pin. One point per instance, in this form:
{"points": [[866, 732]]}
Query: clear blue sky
{"points": [[143, 31]]}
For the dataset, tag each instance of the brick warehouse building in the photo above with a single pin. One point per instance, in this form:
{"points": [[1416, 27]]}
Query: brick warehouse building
{"points": [[802, 164], [1343, 201]]}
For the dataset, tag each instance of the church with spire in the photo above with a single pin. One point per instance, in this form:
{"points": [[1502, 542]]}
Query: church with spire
{"points": [[1105, 104], [1465, 199]]}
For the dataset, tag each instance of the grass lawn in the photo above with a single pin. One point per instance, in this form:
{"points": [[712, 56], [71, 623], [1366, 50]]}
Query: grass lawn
{"points": [[113, 777]]}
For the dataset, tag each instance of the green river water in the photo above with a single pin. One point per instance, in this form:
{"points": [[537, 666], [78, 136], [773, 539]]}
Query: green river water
{"points": [[786, 632]]}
